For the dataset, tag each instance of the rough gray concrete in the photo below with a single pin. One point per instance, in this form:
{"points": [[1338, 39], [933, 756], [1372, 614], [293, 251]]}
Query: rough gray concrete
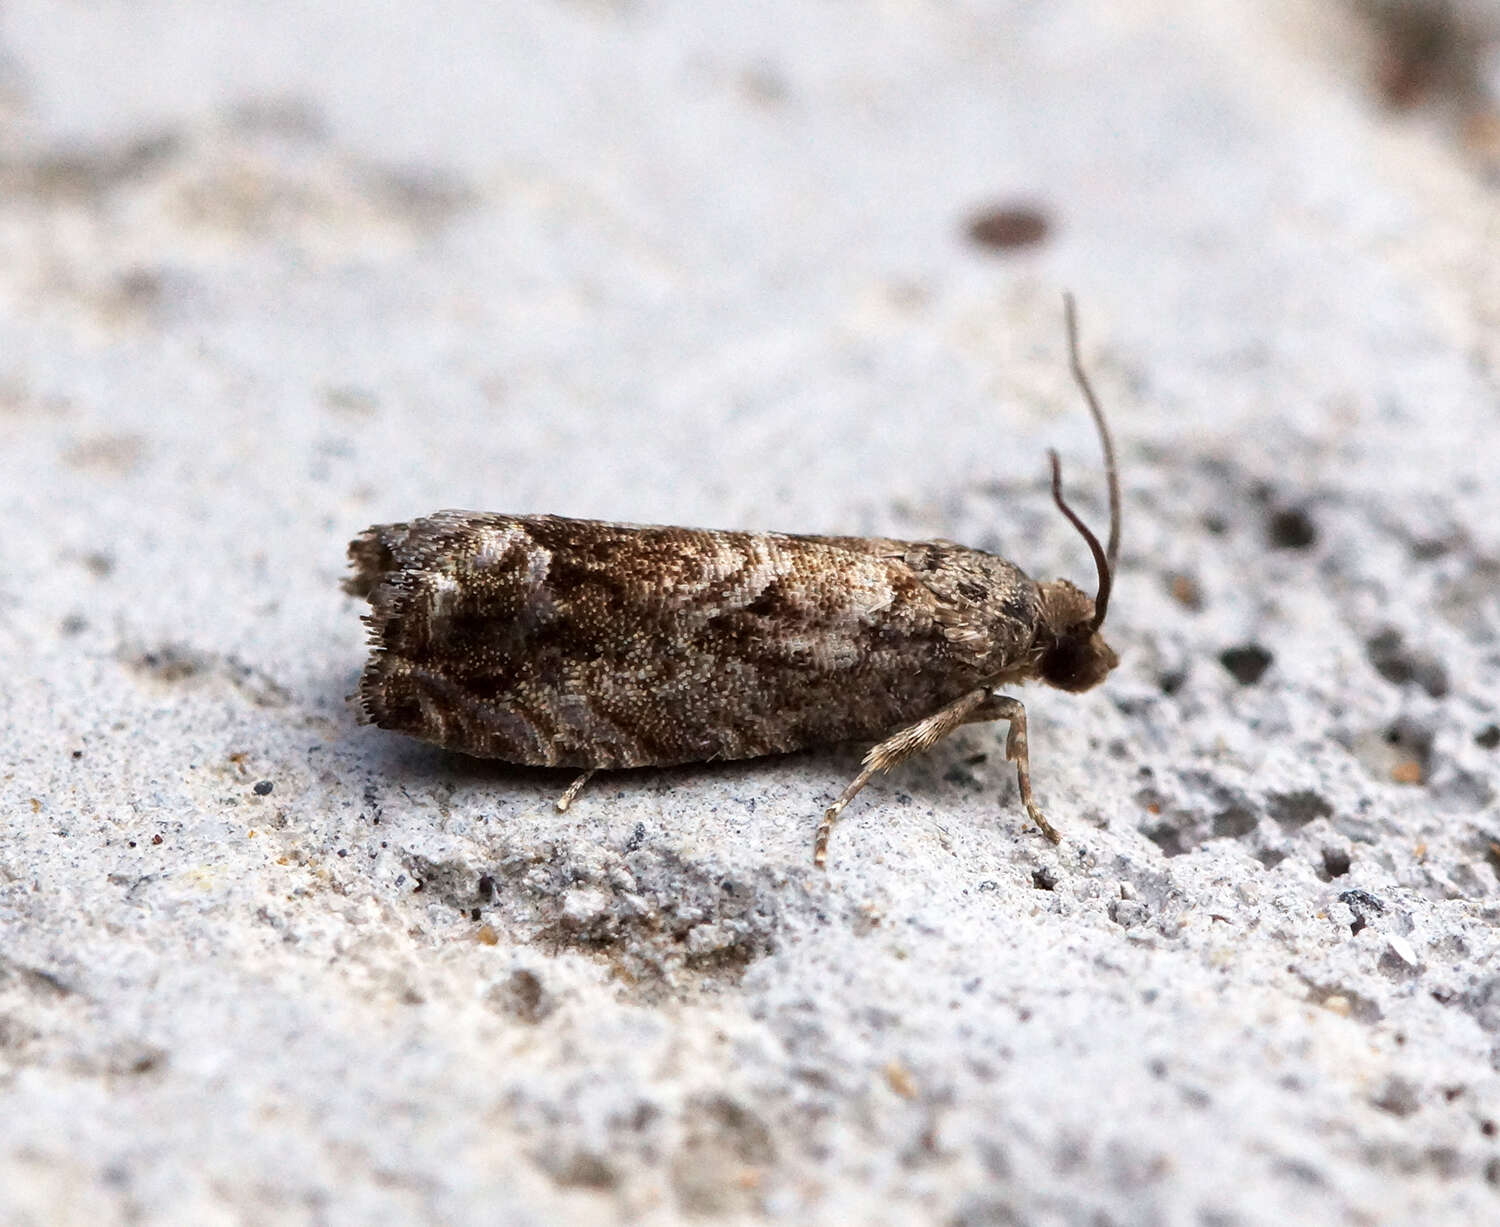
{"points": [[267, 276]]}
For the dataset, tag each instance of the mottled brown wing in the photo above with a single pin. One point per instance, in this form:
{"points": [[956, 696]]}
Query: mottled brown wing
{"points": [[558, 642]]}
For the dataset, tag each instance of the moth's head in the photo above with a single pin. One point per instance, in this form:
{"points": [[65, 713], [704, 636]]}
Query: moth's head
{"points": [[1073, 654]]}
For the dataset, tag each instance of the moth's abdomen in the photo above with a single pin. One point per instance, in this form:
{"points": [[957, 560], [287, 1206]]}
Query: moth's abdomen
{"points": [[548, 641]]}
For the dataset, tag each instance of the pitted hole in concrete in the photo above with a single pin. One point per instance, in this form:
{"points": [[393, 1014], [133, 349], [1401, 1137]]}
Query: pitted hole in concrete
{"points": [[1398, 1096], [1008, 226], [1424, 54], [1246, 662], [1402, 665], [1171, 681], [1293, 810], [1164, 831], [171, 662], [86, 175], [582, 1169], [1482, 1002], [1177, 830], [1235, 822], [1399, 753], [1186, 591], [522, 996], [1429, 549], [1414, 739], [1302, 1171], [1488, 737], [1291, 528], [1336, 863], [1168, 838], [1343, 1000], [1201, 808], [722, 1142]]}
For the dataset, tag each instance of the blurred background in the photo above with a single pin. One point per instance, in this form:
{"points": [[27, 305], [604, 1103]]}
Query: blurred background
{"points": [[705, 263]]}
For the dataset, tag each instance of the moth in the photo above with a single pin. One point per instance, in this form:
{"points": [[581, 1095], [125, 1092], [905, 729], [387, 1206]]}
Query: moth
{"points": [[557, 642]]}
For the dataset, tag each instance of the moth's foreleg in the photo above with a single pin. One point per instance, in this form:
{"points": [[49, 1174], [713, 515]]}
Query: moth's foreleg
{"points": [[574, 789], [913, 739], [1002, 707]]}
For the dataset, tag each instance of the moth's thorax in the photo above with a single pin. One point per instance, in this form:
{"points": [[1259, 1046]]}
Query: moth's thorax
{"points": [[1070, 654], [986, 608]]}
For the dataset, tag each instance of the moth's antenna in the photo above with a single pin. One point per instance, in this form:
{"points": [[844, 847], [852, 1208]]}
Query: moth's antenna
{"points": [[1106, 559], [1106, 578]]}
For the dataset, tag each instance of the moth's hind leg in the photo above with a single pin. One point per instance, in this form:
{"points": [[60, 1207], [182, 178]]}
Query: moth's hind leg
{"points": [[976, 706], [913, 739], [574, 789]]}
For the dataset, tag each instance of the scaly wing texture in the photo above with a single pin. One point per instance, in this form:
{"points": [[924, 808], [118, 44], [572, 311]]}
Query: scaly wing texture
{"points": [[558, 642]]}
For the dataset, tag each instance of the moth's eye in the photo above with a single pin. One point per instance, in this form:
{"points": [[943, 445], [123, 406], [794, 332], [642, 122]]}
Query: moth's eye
{"points": [[1061, 664], [1077, 661]]}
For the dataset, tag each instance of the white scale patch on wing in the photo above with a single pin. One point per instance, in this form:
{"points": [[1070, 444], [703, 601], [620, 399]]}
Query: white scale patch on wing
{"points": [[501, 546], [870, 593], [443, 591]]}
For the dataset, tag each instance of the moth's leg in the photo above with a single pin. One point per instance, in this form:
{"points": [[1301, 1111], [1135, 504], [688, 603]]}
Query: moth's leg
{"points": [[574, 789], [913, 739], [1001, 707]]}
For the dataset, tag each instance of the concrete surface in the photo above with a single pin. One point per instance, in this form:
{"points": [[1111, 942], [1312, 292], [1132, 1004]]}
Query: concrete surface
{"points": [[271, 273]]}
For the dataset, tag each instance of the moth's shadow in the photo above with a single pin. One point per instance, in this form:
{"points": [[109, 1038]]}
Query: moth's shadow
{"points": [[418, 762], [414, 767], [401, 764]]}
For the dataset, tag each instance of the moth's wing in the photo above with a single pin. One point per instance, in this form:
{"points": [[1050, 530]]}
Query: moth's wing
{"points": [[372, 554], [539, 639], [446, 593]]}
